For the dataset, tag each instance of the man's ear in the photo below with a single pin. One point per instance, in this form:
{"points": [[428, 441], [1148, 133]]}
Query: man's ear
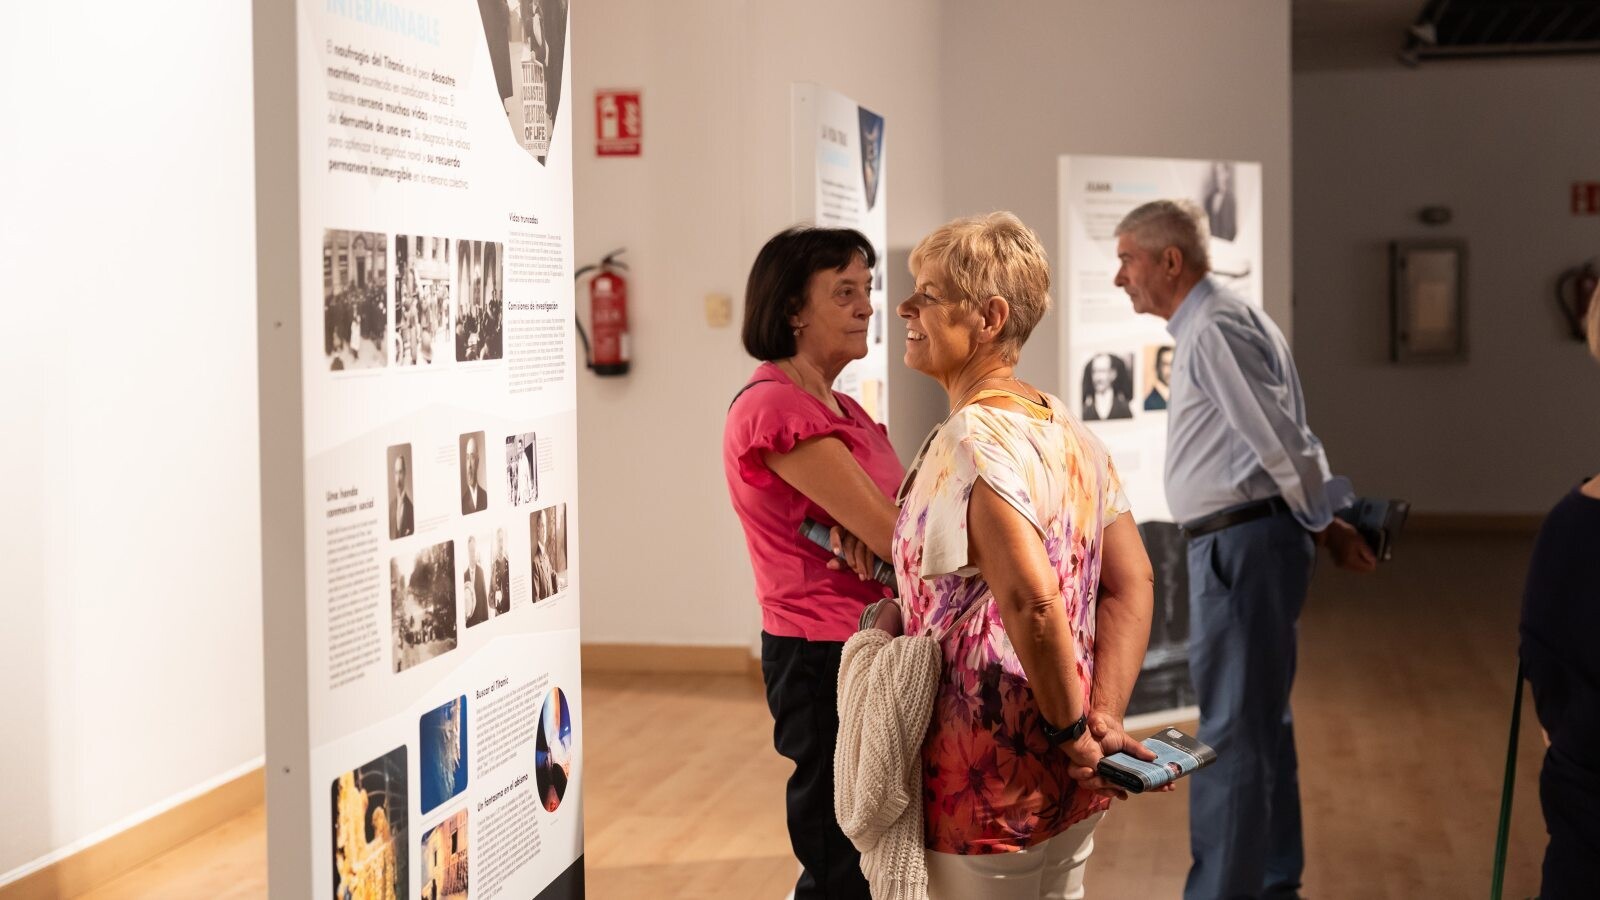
{"points": [[1172, 262]]}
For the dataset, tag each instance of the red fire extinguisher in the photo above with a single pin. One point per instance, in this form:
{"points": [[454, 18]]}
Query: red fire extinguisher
{"points": [[608, 317]]}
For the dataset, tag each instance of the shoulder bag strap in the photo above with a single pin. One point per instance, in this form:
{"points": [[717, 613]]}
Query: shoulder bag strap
{"points": [[1498, 884], [748, 387]]}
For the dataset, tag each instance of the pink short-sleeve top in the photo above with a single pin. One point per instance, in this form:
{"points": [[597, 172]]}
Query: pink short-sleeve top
{"points": [[800, 596]]}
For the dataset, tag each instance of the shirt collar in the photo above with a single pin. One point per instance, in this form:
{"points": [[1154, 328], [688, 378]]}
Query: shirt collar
{"points": [[1188, 310]]}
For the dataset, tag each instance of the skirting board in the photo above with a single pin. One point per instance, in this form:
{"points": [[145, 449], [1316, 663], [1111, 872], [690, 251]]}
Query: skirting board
{"points": [[102, 862], [1473, 523], [702, 660]]}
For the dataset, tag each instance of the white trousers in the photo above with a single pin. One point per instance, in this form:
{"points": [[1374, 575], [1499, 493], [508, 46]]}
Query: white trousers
{"points": [[1052, 870]]}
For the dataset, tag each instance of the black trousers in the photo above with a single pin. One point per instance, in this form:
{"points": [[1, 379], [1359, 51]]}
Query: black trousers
{"points": [[802, 679]]}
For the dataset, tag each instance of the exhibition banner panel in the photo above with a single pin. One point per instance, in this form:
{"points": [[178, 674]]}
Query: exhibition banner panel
{"points": [[838, 179], [425, 723], [1116, 365]]}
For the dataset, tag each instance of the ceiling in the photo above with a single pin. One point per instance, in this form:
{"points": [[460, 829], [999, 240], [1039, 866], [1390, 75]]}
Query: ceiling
{"points": [[1363, 33], [1350, 33]]}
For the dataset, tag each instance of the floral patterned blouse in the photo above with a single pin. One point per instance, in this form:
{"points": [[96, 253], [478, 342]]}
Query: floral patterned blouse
{"points": [[992, 782]]}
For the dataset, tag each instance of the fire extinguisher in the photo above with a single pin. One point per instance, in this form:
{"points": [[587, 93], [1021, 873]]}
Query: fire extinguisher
{"points": [[608, 316]]}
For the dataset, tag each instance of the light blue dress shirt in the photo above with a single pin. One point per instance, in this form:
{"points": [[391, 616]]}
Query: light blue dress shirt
{"points": [[1236, 428]]}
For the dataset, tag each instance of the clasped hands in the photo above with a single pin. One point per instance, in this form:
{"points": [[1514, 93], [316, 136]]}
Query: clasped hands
{"points": [[850, 552], [1104, 735], [1103, 738]]}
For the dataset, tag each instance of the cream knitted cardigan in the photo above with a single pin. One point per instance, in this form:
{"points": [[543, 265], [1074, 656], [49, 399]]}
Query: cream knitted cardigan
{"points": [[886, 688]]}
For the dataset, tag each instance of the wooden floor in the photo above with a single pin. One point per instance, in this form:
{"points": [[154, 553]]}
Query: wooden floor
{"points": [[1401, 706]]}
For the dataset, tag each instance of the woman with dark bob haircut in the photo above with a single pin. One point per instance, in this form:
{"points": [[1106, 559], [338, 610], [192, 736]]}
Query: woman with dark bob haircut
{"points": [[793, 449]]}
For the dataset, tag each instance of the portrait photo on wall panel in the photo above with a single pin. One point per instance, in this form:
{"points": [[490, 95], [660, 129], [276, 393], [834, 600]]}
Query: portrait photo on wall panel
{"points": [[1156, 371], [402, 509], [522, 468], [1108, 387], [485, 578], [548, 548], [480, 287], [474, 492], [422, 598], [422, 334], [371, 854], [1219, 197], [355, 307]]}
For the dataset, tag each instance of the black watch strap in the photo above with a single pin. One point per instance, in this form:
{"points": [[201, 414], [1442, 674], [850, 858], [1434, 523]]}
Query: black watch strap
{"points": [[1065, 735]]}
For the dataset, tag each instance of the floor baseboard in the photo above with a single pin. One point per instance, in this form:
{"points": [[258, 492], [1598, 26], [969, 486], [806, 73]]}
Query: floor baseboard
{"points": [[126, 850], [1474, 523], [721, 660]]}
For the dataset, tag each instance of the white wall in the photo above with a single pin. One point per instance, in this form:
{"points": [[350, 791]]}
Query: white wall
{"points": [[980, 100], [132, 637], [664, 558], [1499, 143], [1029, 80]]}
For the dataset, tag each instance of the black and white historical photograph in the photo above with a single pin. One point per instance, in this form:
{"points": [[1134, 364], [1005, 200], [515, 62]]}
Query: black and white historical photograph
{"points": [[422, 598], [1164, 678], [355, 309], [1157, 374], [480, 282], [522, 468], [499, 576], [1108, 387], [548, 546], [527, 45], [475, 588], [422, 301], [474, 492], [402, 510], [1219, 198]]}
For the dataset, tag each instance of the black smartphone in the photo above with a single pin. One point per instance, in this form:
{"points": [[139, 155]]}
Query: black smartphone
{"points": [[1177, 754]]}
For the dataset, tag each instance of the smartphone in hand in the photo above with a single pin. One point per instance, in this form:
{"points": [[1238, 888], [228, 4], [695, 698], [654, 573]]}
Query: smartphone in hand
{"points": [[1177, 754]]}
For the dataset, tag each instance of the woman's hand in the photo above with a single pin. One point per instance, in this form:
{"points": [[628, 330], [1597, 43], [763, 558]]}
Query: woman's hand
{"points": [[1107, 734], [1085, 754], [856, 555]]}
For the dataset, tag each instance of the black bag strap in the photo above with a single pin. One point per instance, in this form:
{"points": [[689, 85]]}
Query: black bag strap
{"points": [[748, 387], [1503, 831]]}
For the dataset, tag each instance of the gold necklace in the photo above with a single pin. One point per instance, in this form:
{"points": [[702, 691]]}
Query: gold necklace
{"points": [[974, 389]]}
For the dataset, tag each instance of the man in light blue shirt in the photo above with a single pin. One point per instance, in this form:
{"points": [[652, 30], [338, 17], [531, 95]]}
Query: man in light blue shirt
{"points": [[1249, 483]]}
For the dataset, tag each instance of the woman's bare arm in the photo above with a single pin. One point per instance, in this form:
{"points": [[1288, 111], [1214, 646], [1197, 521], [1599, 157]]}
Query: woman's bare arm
{"points": [[1010, 555], [1122, 618], [823, 469]]}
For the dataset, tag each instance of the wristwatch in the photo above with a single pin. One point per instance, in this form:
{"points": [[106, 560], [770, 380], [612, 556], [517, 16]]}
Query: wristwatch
{"points": [[1065, 735]]}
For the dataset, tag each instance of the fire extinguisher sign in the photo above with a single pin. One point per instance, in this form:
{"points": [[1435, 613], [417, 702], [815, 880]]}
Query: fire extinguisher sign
{"points": [[618, 123]]}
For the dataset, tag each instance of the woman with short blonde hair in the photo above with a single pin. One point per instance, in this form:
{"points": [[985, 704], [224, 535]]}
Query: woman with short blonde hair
{"points": [[1015, 544]]}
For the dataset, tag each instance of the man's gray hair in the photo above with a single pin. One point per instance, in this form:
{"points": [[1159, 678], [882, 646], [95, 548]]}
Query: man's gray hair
{"points": [[1160, 224]]}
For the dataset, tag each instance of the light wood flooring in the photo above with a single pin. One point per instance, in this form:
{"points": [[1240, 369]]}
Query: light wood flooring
{"points": [[1402, 707]]}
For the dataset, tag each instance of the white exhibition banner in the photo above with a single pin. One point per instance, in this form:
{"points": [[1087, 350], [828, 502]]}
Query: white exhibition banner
{"points": [[1116, 365], [838, 178], [420, 518]]}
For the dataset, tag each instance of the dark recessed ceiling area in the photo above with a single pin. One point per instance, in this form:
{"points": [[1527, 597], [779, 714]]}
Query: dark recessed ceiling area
{"points": [[1363, 33]]}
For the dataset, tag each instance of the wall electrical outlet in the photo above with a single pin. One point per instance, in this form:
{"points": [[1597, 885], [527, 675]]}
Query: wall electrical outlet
{"points": [[719, 310]]}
